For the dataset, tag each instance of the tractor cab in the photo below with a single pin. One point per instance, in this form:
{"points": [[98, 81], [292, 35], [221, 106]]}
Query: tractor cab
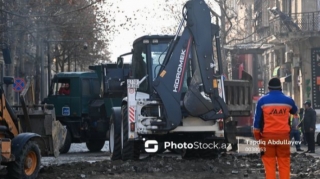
{"points": [[71, 92], [147, 59]]}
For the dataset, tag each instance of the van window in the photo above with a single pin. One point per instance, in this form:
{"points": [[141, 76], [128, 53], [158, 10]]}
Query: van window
{"points": [[85, 87]]}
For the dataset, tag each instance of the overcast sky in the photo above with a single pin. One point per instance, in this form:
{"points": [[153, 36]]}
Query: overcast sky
{"points": [[148, 15], [151, 19]]}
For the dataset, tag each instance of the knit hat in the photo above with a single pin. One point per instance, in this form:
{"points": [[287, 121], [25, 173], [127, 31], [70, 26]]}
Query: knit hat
{"points": [[308, 103], [274, 84]]}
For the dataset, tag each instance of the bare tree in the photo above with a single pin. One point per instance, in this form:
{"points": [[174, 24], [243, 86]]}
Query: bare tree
{"points": [[30, 25], [224, 12]]}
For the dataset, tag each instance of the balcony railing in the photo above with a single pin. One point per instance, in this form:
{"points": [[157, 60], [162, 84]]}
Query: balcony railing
{"points": [[296, 22]]}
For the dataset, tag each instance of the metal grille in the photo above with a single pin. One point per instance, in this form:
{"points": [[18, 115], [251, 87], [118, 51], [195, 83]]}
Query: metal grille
{"points": [[298, 22]]}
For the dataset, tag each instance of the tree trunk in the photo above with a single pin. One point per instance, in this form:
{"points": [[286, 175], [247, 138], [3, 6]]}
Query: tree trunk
{"points": [[57, 65], [22, 71], [11, 71], [223, 42], [38, 75], [69, 63]]}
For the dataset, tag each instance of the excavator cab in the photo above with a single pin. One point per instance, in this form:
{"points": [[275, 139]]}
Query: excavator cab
{"points": [[177, 92], [148, 57]]}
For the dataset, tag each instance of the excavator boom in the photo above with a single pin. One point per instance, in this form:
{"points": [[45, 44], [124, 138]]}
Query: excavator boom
{"points": [[193, 53], [184, 100]]}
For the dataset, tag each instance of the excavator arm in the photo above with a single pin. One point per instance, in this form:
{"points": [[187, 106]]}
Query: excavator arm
{"points": [[8, 119], [193, 52]]}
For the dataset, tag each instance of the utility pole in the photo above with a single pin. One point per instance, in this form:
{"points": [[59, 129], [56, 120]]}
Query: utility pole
{"points": [[75, 59], [42, 92], [49, 65]]}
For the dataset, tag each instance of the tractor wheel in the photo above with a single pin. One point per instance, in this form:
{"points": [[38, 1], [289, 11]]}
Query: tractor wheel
{"points": [[130, 149], [67, 143], [161, 148], [318, 139], [95, 145], [27, 166], [115, 135]]}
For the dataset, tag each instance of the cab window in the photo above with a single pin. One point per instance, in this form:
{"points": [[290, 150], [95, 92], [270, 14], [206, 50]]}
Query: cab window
{"points": [[85, 87], [139, 65], [58, 85]]}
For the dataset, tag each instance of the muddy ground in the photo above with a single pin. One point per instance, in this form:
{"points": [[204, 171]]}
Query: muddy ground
{"points": [[81, 164], [226, 166]]}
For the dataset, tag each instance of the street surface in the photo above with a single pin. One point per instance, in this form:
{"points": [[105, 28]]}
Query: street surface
{"points": [[79, 163]]}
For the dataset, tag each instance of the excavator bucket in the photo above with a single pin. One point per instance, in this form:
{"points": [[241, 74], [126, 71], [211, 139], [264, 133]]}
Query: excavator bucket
{"points": [[40, 119], [43, 122]]}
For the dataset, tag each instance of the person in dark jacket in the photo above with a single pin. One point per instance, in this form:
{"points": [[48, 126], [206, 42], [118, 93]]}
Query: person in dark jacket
{"points": [[309, 122]]}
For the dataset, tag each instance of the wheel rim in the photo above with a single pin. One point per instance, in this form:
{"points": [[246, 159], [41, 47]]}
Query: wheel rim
{"points": [[30, 163], [111, 140]]}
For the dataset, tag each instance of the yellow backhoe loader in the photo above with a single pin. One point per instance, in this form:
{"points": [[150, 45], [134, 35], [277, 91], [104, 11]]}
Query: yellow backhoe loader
{"points": [[27, 132]]}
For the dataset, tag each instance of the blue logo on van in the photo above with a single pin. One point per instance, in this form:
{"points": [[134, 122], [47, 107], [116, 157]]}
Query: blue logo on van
{"points": [[66, 111]]}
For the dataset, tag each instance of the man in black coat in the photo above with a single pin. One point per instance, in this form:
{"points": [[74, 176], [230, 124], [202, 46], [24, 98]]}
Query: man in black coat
{"points": [[309, 124]]}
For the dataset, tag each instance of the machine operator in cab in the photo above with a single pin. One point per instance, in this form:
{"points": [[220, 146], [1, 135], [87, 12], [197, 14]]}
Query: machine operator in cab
{"points": [[272, 129], [65, 90]]}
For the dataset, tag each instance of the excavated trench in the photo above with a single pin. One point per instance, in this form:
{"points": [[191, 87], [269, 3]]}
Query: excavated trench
{"points": [[168, 165]]}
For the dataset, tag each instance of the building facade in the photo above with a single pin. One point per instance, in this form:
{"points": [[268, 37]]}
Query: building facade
{"points": [[285, 43]]}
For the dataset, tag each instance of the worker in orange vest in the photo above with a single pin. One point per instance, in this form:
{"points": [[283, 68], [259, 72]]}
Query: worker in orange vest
{"points": [[272, 128]]}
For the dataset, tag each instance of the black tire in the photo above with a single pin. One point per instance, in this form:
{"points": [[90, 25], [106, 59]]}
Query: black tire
{"points": [[95, 145], [318, 139], [67, 143], [115, 138], [130, 149], [18, 170], [161, 148]]}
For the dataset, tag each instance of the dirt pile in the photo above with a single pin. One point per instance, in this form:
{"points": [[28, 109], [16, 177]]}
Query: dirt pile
{"points": [[227, 166]]}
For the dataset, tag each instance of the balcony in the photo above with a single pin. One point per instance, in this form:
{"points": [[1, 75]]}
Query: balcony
{"points": [[295, 25]]}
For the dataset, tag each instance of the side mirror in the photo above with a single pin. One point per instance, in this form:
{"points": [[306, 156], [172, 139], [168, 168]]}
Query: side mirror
{"points": [[8, 80], [120, 62]]}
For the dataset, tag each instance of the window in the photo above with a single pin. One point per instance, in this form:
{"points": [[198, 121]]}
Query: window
{"points": [[139, 65], [85, 87], [158, 52], [58, 85]]}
